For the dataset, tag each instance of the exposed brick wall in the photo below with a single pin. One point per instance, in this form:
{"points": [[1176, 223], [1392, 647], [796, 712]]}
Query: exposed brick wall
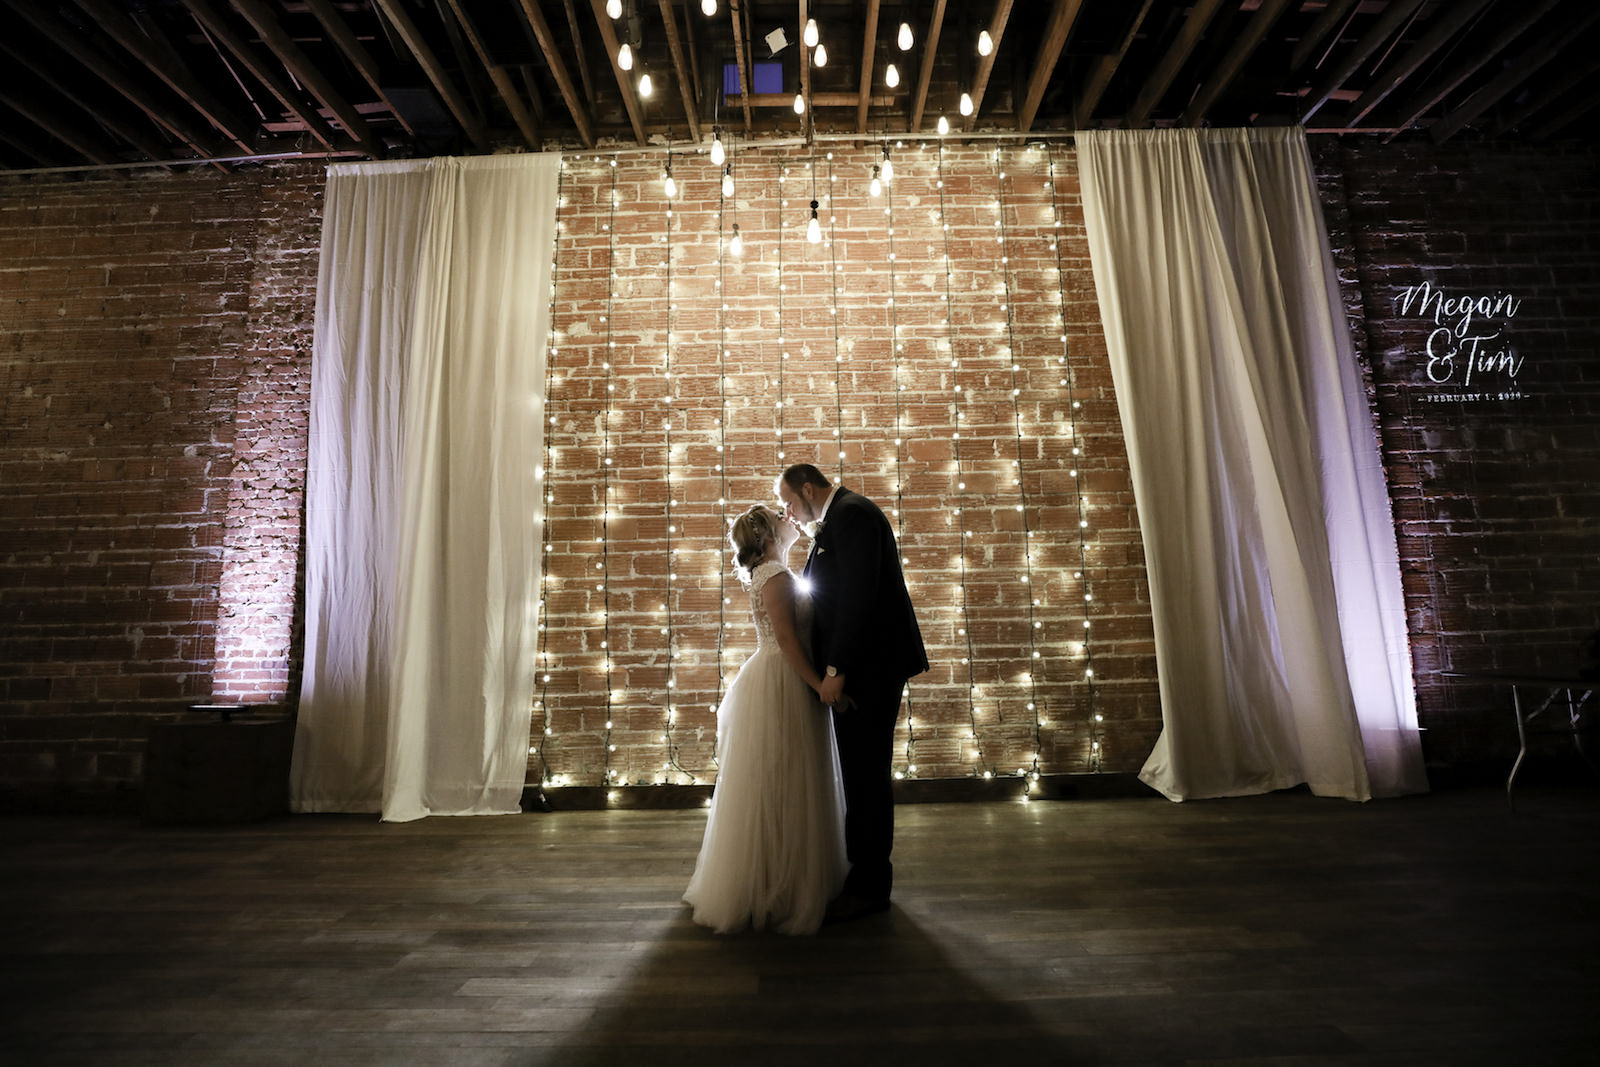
{"points": [[128, 323], [840, 376], [1497, 500]]}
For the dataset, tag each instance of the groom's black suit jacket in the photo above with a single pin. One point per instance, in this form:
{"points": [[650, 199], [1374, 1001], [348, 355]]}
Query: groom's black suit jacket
{"points": [[862, 620]]}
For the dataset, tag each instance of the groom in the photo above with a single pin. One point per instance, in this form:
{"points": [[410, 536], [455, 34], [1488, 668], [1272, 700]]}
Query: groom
{"points": [[866, 644]]}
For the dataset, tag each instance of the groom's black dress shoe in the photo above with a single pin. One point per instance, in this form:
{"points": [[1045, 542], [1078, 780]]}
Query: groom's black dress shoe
{"points": [[846, 907]]}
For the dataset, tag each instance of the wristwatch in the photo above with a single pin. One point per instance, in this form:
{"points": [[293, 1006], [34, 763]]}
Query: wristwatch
{"points": [[833, 672]]}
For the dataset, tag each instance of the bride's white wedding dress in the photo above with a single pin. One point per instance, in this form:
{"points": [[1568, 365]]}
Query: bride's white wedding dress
{"points": [[773, 853]]}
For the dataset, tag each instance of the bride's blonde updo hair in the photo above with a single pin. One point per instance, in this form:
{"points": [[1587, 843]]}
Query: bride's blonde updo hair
{"points": [[750, 535]]}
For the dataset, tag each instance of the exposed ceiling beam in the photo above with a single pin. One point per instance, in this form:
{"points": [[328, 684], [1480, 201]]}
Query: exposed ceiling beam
{"points": [[122, 30], [1557, 123], [558, 69], [869, 48], [1094, 86], [807, 122], [930, 45], [1228, 68], [114, 74], [307, 73], [501, 77], [1413, 110], [608, 38], [584, 77], [1160, 78], [395, 12], [680, 69], [345, 39], [694, 60], [219, 28], [1334, 18], [1394, 16], [741, 60], [43, 68], [32, 150], [980, 80], [1056, 31], [1440, 31], [86, 144], [780, 100], [1519, 70], [1574, 76]]}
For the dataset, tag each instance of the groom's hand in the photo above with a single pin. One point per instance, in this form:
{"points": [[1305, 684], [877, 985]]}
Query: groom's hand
{"points": [[832, 689]]}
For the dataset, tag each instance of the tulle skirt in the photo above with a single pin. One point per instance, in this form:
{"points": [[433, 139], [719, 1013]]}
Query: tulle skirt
{"points": [[773, 853]]}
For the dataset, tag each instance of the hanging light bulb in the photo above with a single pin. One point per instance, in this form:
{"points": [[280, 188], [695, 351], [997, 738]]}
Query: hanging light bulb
{"points": [[614, 8], [905, 39], [799, 104], [668, 185], [717, 152], [625, 57], [810, 36], [708, 6], [891, 77], [944, 125], [820, 56], [876, 188], [736, 246], [646, 86], [727, 181], [813, 227], [966, 103], [985, 43], [888, 167]]}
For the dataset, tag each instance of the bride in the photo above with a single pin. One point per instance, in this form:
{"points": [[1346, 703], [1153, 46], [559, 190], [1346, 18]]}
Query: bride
{"points": [[773, 853]]}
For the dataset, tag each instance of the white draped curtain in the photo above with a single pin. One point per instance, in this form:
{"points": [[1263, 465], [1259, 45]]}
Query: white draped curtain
{"points": [[422, 505], [1274, 580]]}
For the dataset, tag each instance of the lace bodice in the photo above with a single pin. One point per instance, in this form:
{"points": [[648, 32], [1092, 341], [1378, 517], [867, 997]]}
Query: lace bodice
{"points": [[766, 637]]}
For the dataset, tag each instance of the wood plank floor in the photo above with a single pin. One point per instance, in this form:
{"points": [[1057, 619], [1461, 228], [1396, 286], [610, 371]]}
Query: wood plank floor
{"points": [[1272, 930]]}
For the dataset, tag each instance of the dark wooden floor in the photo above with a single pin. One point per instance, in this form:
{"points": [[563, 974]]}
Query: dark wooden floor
{"points": [[1273, 930]]}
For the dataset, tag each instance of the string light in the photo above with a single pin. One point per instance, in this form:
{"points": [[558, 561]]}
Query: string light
{"points": [[727, 181], [891, 76], [965, 630], [820, 55], [888, 166], [966, 104], [604, 563], [876, 187], [670, 724], [708, 7], [722, 430], [814, 227], [833, 275], [799, 104], [625, 56], [810, 36], [895, 347], [1011, 358], [646, 86], [985, 43], [546, 498], [905, 40], [736, 246], [944, 125], [718, 155], [614, 8], [783, 354], [669, 185], [1068, 381]]}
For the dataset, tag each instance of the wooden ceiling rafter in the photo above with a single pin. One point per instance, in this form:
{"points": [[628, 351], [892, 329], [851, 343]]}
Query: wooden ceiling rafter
{"points": [[500, 78], [869, 49], [680, 69], [218, 27], [82, 141], [930, 48], [808, 121], [1100, 75], [1062, 17], [1528, 62], [418, 46], [1569, 79], [741, 60], [630, 98], [1389, 23], [118, 77], [1172, 60], [558, 70], [1437, 35], [1333, 20], [31, 149], [43, 70], [1434, 94], [980, 79], [122, 30], [277, 39], [1232, 63], [350, 46]]}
